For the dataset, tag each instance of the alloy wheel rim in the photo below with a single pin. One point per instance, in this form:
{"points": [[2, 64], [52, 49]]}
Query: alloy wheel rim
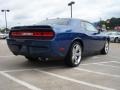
{"points": [[106, 47], [76, 54], [116, 40]]}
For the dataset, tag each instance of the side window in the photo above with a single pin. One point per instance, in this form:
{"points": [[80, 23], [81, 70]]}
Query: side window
{"points": [[82, 24], [90, 27]]}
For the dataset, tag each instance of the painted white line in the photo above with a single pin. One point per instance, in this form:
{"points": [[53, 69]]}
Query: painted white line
{"points": [[108, 65], [76, 81], [115, 61], [17, 70], [81, 69], [27, 85], [106, 62], [114, 57], [102, 65], [100, 73], [7, 56], [97, 63], [20, 70]]}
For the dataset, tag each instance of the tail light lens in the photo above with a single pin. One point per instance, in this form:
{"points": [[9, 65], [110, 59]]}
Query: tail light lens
{"points": [[43, 34], [32, 35]]}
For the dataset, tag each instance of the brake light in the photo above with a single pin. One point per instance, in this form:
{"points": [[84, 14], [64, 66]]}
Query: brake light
{"points": [[44, 34], [34, 34], [21, 34]]}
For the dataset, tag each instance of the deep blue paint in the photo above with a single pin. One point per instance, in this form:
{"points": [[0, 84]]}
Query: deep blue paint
{"points": [[64, 36]]}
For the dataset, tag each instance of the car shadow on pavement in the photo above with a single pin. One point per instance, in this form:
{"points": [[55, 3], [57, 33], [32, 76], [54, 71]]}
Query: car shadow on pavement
{"points": [[52, 63], [43, 64]]}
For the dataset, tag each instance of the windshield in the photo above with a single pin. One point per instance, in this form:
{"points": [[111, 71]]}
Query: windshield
{"points": [[55, 21]]}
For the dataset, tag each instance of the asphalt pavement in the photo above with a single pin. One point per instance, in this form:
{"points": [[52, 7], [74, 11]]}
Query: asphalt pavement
{"points": [[96, 72]]}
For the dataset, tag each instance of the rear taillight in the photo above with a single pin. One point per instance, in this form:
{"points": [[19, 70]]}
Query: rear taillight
{"points": [[43, 34], [30, 35], [18, 34]]}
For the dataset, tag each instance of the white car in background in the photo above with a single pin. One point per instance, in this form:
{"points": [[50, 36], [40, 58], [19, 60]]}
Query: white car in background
{"points": [[114, 36], [3, 36]]}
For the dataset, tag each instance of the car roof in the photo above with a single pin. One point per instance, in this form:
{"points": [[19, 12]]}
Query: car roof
{"points": [[72, 19]]}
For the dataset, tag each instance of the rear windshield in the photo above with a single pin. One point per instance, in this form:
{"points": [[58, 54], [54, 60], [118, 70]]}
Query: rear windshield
{"points": [[55, 21]]}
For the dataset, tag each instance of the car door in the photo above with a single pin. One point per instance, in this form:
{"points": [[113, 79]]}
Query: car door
{"points": [[95, 40]]}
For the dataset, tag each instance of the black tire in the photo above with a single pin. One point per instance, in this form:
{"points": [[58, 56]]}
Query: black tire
{"points": [[105, 49], [116, 40], [74, 54], [31, 59]]}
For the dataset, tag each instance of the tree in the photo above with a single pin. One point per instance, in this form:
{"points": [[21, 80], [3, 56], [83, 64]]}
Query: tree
{"points": [[109, 23], [4, 30]]}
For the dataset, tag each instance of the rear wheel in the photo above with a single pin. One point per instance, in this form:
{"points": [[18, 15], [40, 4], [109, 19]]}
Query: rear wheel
{"points": [[31, 59], [105, 48], [116, 40], [74, 55]]}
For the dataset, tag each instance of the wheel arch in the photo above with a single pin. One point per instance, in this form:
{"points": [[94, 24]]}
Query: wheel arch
{"points": [[67, 58], [80, 41], [76, 39]]}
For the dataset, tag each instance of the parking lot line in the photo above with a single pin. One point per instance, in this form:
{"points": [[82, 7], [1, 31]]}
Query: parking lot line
{"points": [[106, 65], [114, 57], [8, 56], [115, 61], [101, 63], [96, 63], [74, 80], [81, 69], [17, 70], [29, 86], [100, 73], [67, 78]]}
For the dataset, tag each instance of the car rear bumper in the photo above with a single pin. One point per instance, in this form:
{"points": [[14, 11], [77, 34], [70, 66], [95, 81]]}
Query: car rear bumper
{"points": [[35, 48]]}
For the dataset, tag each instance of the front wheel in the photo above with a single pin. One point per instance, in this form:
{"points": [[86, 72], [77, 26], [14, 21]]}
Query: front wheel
{"points": [[74, 55], [105, 48]]}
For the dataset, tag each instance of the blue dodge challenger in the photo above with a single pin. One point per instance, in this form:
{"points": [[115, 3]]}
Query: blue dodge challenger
{"points": [[61, 38]]}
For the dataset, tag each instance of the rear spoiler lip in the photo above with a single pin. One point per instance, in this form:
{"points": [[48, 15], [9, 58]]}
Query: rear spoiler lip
{"points": [[32, 27]]}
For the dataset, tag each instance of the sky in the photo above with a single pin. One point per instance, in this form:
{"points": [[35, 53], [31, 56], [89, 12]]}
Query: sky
{"points": [[27, 12]]}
